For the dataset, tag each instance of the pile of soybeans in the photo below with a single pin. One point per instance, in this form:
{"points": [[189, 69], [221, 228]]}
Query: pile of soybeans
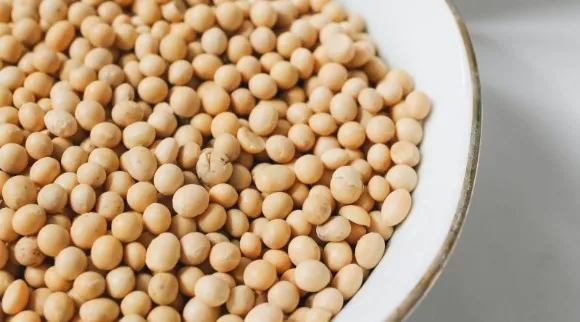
{"points": [[196, 160]]}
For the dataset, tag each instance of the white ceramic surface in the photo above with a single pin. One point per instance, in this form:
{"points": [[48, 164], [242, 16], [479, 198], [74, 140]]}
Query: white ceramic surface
{"points": [[425, 38]]}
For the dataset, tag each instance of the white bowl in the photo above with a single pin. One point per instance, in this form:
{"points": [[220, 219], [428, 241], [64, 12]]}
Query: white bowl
{"points": [[428, 39]]}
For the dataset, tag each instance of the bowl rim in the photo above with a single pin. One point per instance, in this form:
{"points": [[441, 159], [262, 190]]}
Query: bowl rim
{"points": [[434, 270]]}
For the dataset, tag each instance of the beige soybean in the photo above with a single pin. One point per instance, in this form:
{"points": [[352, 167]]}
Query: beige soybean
{"points": [[343, 108], [241, 300], [26, 316], [355, 214], [168, 179], [70, 263], [120, 282], [353, 87], [194, 310], [27, 253], [369, 250], [284, 295], [134, 255], [319, 100], [241, 178], [379, 157], [265, 312], [13, 160], [298, 192], [408, 129], [164, 313], [396, 207], [276, 234], [323, 124], [100, 309], [228, 145], [260, 275], [212, 219], [329, 299], [38, 145], [380, 129], [55, 282], [351, 135], [279, 259], [224, 257], [136, 302], [302, 248], [335, 229], [226, 122], [318, 314], [405, 153], [163, 288], [391, 91], [156, 218], [339, 48], [28, 220], [218, 238], [195, 248], [58, 306], [89, 285], [273, 178], [163, 253], [141, 195], [337, 255], [237, 223], [37, 299], [346, 185], [334, 158], [277, 205], [402, 177], [127, 227], [213, 167], [299, 226], [106, 253], [250, 142], [52, 239], [317, 209], [298, 113], [250, 245], [109, 204], [356, 232], [370, 100], [364, 168], [312, 275], [230, 318], [380, 226], [213, 290], [87, 228], [299, 314], [333, 76], [250, 202], [378, 188], [19, 191], [126, 113], [309, 169], [348, 280]]}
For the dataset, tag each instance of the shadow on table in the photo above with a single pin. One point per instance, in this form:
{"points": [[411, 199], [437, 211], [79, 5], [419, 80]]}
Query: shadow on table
{"points": [[474, 10], [522, 214]]}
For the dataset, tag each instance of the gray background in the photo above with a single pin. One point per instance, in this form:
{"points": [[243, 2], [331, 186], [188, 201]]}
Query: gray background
{"points": [[519, 255]]}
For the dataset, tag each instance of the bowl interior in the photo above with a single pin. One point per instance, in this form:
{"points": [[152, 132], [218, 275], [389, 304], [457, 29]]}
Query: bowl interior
{"points": [[423, 37]]}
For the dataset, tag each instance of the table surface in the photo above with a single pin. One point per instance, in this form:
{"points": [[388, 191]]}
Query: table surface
{"points": [[518, 258]]}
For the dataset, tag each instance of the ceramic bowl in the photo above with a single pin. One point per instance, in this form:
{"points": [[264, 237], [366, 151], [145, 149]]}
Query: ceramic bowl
{"points": [[428, 39]]}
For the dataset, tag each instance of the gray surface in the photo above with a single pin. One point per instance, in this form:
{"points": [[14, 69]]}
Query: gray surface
{"points": [[519, 256]]}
